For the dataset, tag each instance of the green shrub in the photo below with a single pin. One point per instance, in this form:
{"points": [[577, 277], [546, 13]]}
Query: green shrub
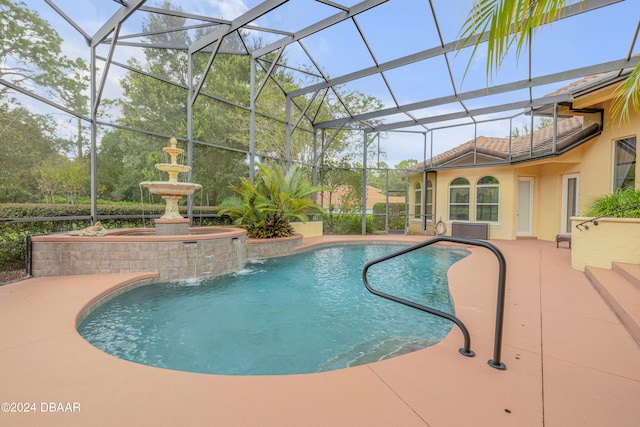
{"points": [[348, 224], [621, 204], [396, 215]]}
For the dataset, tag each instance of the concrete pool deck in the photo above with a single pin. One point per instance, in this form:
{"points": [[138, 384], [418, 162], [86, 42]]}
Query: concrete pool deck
{"points": [[569, 361]]}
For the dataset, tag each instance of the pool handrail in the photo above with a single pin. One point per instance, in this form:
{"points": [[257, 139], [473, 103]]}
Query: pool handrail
{"points": [[466, 349]]}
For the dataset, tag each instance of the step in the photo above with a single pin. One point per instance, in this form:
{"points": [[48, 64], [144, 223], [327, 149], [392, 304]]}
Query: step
{"points": [[374, 351], [620, 294], [631, 272]]}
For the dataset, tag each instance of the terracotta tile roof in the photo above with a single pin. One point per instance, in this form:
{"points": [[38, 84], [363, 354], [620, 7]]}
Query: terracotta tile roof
{"points": [[374, 195], [570, 131]]}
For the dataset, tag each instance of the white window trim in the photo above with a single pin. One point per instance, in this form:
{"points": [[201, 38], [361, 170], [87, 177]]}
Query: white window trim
{"points": [[565, 190], [614, 144], [417, 217], [429, 220], [487, 204], [468, 185]]}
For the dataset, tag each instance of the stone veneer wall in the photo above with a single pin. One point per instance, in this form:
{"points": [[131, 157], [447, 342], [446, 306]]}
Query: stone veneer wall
{"points": [[271, 248], [173, 257]]}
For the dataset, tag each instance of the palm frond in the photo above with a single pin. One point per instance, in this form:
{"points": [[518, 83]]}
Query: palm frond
{"points": [[627, 95], [508, 23]]}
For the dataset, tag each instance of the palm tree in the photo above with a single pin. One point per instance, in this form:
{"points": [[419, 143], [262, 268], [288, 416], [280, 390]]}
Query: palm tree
{"points": [[266, 208], [512, 22]]}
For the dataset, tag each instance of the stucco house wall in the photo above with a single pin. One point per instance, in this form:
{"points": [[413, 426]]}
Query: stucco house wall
{"points": [[592, 161], [497, 230], [597, 162]]}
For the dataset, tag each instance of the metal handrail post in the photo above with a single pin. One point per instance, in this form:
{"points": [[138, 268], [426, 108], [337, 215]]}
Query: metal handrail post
{"points": [[495, 362]]}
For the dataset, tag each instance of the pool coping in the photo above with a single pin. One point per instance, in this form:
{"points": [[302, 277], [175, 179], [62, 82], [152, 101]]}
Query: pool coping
{"points": [[554, 375]]}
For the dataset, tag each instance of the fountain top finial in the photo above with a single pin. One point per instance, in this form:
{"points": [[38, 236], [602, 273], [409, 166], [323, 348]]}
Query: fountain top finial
{"points": [[173, 151]]}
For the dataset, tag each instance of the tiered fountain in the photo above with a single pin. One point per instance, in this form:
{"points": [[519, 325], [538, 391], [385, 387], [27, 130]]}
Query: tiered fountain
{"points": [[172, 250], [172, 223]]}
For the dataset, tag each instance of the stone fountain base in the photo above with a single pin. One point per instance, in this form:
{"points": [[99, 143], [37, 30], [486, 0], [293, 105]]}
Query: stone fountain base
{"points": [[201, 252], [172, 227]]}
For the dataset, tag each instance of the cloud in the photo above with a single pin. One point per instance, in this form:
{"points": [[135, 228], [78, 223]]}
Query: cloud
{"points": [[229, 9]]}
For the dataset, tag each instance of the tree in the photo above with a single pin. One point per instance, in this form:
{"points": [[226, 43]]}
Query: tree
{"points": [[31, 57], [30, 51], [26, 141], [344, 187], [70, 91], [407, 164], [49, 177], [513, 22], [76, 177], [523, 129], [160, 107]]}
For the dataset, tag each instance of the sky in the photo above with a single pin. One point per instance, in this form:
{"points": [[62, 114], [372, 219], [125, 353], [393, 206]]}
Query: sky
{"points": [[392, 30]]}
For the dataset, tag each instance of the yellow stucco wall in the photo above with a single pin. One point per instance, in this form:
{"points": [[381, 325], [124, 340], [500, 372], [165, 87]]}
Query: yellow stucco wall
{"points": [[597, 164], [502, 229], [308, 229], [613, 239], [592, 161]]}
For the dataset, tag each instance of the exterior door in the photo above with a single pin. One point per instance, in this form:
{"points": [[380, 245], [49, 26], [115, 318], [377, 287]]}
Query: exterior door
{"points": [[525, 207], [569, 201]]}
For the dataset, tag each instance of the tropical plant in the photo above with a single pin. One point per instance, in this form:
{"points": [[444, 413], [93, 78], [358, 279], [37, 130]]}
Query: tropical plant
{"points": [[513, 22], [624, 203], [266, 207]]}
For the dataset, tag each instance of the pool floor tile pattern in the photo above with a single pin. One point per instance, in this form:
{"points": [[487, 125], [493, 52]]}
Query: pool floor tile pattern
{"points": [[569, 361]]}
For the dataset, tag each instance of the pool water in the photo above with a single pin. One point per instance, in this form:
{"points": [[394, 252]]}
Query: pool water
{"points": [[304, 313]]}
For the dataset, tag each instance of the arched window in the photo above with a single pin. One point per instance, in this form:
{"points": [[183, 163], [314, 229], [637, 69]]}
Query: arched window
{"points": [[487, 199], [428, 201], [417, 208], [459, 199]]}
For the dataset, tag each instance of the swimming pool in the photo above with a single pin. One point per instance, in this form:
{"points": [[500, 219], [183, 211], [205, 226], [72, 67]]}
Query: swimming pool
{"points": [[303, 313]]}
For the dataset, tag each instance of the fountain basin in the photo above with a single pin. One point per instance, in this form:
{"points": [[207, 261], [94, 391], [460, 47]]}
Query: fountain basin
{"points": [[171, 192], [168, 167], [171, 188], [206, 251]]}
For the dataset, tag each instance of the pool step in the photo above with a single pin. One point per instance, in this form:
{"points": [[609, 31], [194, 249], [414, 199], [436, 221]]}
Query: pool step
{"points": [[620, 288], [374, 351], [389, 348]]}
